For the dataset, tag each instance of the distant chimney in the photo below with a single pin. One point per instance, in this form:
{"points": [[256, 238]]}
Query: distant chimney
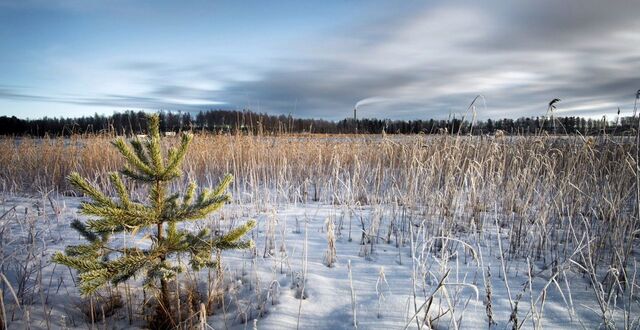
{"points": [[355, 118]]}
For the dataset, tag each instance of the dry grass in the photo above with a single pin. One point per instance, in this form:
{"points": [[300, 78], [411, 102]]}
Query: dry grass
{"points": [[535, 180], [562, 201]]}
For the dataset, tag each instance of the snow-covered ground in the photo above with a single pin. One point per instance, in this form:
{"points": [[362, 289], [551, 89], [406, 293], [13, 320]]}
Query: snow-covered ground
{"points": [[407, 269]]}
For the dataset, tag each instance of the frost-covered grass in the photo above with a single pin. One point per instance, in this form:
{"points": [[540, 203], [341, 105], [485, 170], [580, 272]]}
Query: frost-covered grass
{"points": [[444, 232]]}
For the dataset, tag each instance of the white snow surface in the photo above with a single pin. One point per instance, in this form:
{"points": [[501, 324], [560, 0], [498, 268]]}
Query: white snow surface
{"points": [[33, 228]]}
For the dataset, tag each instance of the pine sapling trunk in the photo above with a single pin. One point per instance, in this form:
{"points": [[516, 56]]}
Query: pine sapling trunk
{"points": [[163, 313], [163, 307]]}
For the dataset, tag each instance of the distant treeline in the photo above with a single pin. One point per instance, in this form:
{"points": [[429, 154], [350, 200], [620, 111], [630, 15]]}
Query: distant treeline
{"points": [[226, 121]]}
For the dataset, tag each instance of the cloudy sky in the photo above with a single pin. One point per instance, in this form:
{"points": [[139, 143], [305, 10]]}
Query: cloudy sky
{"points": [[396, 59]]}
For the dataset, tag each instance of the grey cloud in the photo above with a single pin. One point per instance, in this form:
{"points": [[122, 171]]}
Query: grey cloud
{"points": [[555, 24], [425, 62], [116, 101], [568, 48], [12, 94]]}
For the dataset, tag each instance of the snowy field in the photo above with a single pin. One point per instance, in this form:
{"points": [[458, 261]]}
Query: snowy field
{"points": [[394, 269], [373, 232]]}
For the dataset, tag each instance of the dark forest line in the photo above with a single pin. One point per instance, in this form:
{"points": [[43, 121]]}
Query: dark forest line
{"points": [[230, 121]]}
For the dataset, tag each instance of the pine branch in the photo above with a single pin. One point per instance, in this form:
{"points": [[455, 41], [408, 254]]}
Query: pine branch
{"points": [[222, 186], [176, 157], [123, 194], [116, 219], [153, 146], [202, 197], [202, 208], [81, 264], [92, 280], [133, 160], [175, 238], [83, 185], [84, 232], [237, 233], [125, 267], [188, 197], [229, 241], [171, 203], [239, 245], [85, 251], [138, 148], [127, 171]]}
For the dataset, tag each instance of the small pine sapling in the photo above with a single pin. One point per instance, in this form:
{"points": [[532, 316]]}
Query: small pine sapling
{"points": [[99, 262]]}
